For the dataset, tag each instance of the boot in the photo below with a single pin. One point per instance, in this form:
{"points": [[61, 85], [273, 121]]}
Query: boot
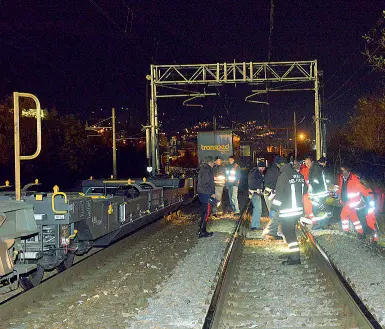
{"points": [[290, 261], [202, 231], [374, 237]]}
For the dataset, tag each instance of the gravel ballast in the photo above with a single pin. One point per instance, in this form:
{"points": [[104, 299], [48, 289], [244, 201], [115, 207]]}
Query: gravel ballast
{"points": [[184, 298], [164, 280], [362, 265]]}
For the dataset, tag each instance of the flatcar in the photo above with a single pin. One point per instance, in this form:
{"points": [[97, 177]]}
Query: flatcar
{"points": [[45, 231]]}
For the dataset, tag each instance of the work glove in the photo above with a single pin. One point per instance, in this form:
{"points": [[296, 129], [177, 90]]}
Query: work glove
{"points": [[271, 196]]}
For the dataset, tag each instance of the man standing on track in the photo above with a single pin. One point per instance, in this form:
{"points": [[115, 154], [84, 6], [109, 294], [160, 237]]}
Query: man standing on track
{"points": [[206, 190], [255, 181], [219, 181], [289, 206], [233, 176], [271, 230]]}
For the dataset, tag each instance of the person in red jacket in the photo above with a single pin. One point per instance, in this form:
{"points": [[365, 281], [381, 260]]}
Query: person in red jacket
{"points": [[367, 214], [304, 170], [353, 196]]}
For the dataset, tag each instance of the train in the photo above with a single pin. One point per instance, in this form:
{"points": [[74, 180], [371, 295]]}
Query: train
{"points": [[46, 230]]}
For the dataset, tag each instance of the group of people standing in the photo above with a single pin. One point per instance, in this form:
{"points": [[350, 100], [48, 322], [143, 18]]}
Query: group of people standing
{"points": [[292, 192], [282, 188], [213, 178], [295, 192]]}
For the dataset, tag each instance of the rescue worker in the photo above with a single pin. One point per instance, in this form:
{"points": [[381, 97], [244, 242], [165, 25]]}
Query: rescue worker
{"points": [[305, 171], [219, 181], [296, 165], [233, 176], [206, 191], [366, 212], [317, 192], [255, 182], [271, 230], [289, 206], [352, 194]]}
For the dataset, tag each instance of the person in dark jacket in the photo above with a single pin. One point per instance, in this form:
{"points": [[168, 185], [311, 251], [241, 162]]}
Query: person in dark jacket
{"points": [[289, 206], [271, 177], [206, 191], [219, 182], [317, 181], [233, 176], [255, 181]]}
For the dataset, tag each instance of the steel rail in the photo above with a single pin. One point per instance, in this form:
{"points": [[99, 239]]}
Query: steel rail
{"points": [[222, 271], [347, 292], [363, 316]]}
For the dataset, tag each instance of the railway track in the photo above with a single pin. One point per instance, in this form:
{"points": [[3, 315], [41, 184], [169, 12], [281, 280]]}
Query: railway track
{"points": [[256, 291]]}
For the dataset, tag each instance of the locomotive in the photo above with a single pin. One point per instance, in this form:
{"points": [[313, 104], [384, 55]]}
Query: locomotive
{"points": [[45, 231]]}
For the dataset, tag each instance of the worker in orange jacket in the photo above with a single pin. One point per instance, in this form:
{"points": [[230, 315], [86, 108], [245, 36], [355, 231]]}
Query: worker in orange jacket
{"points": [[356, 197], [307, 206]]}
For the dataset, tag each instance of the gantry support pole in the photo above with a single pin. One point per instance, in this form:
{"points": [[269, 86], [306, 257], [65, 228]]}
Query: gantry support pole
{"points": [[317, 118], [153, 124], [114, 169]]}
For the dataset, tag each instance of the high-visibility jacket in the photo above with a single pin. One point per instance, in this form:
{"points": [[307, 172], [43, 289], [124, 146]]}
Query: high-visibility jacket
{"points": [[352, 192], [233, 174], [289, 192], [304, 171], [317, 182], [219, 175]]}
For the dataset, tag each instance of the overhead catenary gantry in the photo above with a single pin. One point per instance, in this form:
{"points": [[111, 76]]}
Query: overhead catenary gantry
{"points": [[272, 76]]}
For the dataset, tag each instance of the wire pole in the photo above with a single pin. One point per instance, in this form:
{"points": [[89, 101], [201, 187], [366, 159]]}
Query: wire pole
{"points": [[295, 138], [114, 145]]}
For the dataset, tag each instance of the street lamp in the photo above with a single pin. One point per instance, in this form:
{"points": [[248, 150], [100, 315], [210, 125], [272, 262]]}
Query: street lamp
{"points": [[301, 136]]}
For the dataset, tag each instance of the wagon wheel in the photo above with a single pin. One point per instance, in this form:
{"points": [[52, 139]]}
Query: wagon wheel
{"points": [[32, 280], [67, 263]]}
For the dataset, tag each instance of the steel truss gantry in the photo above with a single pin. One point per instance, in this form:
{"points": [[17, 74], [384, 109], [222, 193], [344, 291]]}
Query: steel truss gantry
{"points": [[272, 76]]}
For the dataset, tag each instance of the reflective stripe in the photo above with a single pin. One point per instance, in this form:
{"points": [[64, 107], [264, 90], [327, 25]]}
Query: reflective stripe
{"points": [[356, 222], [316, 181], [291, 210], [319, 194], [294, 214], [291, 244], [320, 217], [268, 189], [354, 204], [344, 221], [293, 198], [294, 249], [277, 202], [353, 195], [324, 180]]}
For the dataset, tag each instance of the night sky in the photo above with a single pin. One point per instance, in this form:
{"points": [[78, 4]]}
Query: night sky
{"points": [[81, 56]]}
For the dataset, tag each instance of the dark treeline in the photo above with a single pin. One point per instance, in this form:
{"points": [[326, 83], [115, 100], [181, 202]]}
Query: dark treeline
{"points": [[361, 142], [67, 155]]}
